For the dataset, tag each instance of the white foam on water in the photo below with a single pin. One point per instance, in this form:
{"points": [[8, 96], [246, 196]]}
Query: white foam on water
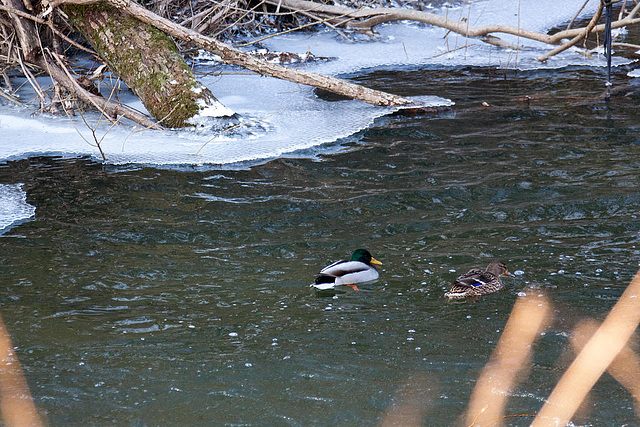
{"points": [[14, 208]]}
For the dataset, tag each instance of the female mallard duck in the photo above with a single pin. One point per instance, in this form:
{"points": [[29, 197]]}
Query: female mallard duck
{"points": [[347, 273], [478, 282]]}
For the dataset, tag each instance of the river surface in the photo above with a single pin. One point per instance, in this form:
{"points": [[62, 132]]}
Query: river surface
{"points": [[143, 296]]}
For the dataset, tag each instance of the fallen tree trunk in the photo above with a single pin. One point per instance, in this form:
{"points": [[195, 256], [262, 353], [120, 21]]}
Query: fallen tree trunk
{"points": [[102, 12], [236, 57], [149, 63], [28, 39], [108, 107], [32, 52]]}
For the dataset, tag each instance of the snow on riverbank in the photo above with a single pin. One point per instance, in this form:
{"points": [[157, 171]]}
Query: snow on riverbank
{"points": [[285, 118]]}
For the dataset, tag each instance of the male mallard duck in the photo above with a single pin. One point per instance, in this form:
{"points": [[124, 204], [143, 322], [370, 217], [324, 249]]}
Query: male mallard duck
{"points": [[347, 273], [478, 282]]}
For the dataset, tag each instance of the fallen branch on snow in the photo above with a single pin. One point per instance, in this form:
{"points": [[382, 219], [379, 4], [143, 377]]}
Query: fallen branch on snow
{"points": [[236, 57], [366, 19]]}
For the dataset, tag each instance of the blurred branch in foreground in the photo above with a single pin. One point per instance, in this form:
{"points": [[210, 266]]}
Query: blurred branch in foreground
{"points": [[604, 347], [625, 368], [16, 403], [530, 316], [594, 359], [413, 401]]}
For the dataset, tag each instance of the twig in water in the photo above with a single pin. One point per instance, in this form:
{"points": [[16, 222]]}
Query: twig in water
{"points": [[452, 50], [97, 142], [576, 39]]}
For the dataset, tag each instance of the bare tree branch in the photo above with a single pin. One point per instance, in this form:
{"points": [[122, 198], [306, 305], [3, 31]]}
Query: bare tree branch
{"points": [[237, 57], [37, 20], [371, 17], [576, 39], [110, 108], [591, 27]]}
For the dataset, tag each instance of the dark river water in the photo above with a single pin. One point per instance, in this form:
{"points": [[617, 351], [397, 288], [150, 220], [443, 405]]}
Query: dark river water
{"points": [[141, 296]]}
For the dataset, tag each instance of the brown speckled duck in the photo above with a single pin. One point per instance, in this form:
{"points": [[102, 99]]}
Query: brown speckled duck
{"points": [[479, 282]]}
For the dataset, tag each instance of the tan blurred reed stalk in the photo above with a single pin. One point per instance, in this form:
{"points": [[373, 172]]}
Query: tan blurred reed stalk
{"points": [[16, 404], [529, 317], [411, 405], [593, 360], [625, 368]]}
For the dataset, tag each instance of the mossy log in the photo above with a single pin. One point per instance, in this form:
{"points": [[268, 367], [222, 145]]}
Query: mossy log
{"points": [[149, 62], [234, 56]]}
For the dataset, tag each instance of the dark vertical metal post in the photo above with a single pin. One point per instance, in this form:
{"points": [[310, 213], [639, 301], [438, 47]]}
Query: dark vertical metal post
{"points": [[608, 14]]}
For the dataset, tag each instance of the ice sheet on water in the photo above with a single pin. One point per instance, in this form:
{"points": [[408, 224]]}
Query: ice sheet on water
{"points": [[14, 208], [281, 117]]}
